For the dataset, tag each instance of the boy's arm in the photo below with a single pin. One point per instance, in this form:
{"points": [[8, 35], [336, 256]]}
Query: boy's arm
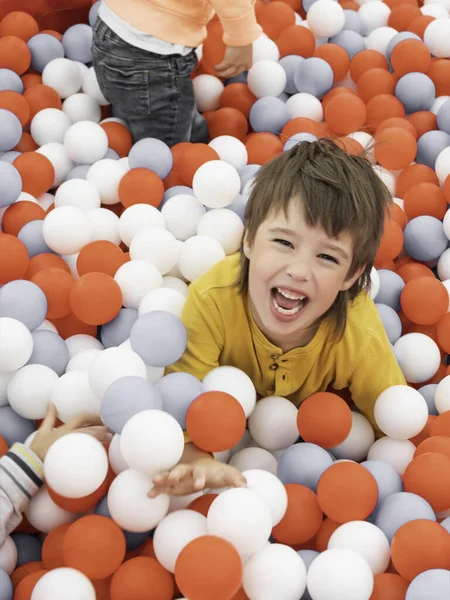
{"points": [[238, 20], [376, 370], [21, 476]]}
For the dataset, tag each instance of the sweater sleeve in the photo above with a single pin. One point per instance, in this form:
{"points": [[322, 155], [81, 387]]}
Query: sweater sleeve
{"points": [[238, 20], [21, 476]]}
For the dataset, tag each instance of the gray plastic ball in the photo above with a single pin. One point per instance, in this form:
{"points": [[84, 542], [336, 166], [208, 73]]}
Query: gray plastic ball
{"points": [[24, 301], [307, 557], [133, 540], [44, 48], [10, 156], [304, 464], [152, 154], [10, 184], [297, 138], [238, 206], [430, 145], [353, 22], [416, 91], [443, 117], [314, 76], [391, 287], [428, 392], [10, 81], [308, 3], [425, 239], [430, 585], [13, 427], [77, 43], [391, 322], [111, 154], [388, 480], [49, 349], [118, 330], [400, 37], [350, 40], [159, 337], [31, 235], [29, 548], [78, 172], [6, 586], [247, 173], [400, 508], [11, 129], [290, 64], [125, 398], [175, 191], [93, 13], [178, 391], [268, 114], [446, 524]]}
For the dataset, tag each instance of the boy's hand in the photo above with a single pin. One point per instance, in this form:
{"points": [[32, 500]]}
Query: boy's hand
{"points": [[47, 434], [188, 478], [236, 60]]}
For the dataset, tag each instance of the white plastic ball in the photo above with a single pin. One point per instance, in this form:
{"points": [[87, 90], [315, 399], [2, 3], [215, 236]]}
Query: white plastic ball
{"points": [[197, 255], [82, 361], [163, 299], [418, 355], [86, 142], [8, 555], [182, 214], [366, 141], [438, 103], [446, 283], [46, 200], [358, 442], [81, 342], [152, 441], [73, 395], [105, 175], [270, 489], [223, 225], [437, 36], [442, 395], [265, 49], [266, 78], [374, 15], [136, 218], [325, 18], [273, 423], [82, 68], [242, 518], [174, 532], [340, 574], [207, 91], [116, 459], [5, 378], [174, 283], [63, 76], [401, 412], [156, 245], [130, 506], [442, 165], [254, 458], [71, 261], [16, 344], [365, 539], [79, 193], [154, 374], [66, 229], [305, 105], [231, 150], [57, 155], [434, 10], [30, 389], [235, 382], [443, 265], [136, 279], [387, 177], [216, 184], [113, 364], [90, 86], [49, 125], [104, 225], [375, 283], [63, 582], [82, 107], [276, 571], [44, 515], [379, 39], [398, 453]]}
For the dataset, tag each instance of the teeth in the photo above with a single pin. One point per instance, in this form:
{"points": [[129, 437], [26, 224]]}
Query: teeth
{"points": [[285, 311], [289, 295]]}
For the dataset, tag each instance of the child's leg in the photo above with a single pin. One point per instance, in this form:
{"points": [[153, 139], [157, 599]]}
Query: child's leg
{"points": [[153, 92]]}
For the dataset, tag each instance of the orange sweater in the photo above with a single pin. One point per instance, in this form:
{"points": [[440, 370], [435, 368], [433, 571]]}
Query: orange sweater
{"points": [[184, 21]]}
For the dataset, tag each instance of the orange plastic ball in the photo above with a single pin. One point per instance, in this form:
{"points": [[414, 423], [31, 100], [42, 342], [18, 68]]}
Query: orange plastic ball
{"points": [[16, 104], [25, 588], [402, 15], [337, 57], [439, 73], [384, 108], [45, 261], [14, 258], [37, 173], [375, 81], [19, 214], [19, 24], [228, 121], [52, 548], [95, 298], [40, 97], [3, 446], [425, 199], [391, 243], [140, 578], [324, 419], [262, 147], [436, 443], [141, 186], [441, 425], [412, 175], [56, 285], [396, 122], [410, 56], [419, 24], [443, 333], [238, 96], [428, 476], [14, 54], [303, 517], [345, 113], [21, 572], [71, 325], [347, 492], [296, 40], [101, 256], [202, 504], [119, 137], [327, 528], [364, 61], [395, 148], [193, 158], [424, 300], [412, 270], [388, 586], [423, 121], [275, 17]]}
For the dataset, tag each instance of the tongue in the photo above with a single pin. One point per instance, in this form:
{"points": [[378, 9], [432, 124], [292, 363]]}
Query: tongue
{"points": [[284, 302]]}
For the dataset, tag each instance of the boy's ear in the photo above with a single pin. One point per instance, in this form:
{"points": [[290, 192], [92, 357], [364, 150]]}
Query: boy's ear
{"points": [[351, 280], [246, 246]]}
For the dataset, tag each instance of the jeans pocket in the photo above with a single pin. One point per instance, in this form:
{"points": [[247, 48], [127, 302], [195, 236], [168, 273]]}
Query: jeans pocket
{"points": [[126, 87]]}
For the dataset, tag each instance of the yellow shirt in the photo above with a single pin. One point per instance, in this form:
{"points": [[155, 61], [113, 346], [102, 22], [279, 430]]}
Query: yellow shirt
{"points": [[221, 331]]}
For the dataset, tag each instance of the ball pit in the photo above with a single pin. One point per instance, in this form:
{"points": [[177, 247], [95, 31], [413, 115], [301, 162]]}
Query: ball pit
{"points": [[101, 237]]}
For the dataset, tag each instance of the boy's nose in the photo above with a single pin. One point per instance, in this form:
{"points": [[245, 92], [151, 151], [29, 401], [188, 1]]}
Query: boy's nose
{"points": [[299, 270]]}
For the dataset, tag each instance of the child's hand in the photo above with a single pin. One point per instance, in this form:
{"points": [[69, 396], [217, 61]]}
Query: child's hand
{"points": [[236, 60], [188, 478], [47, 434]]}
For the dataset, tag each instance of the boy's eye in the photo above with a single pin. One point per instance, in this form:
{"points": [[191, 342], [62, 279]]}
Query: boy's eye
{"points": [[329, 258], [284, 243]]}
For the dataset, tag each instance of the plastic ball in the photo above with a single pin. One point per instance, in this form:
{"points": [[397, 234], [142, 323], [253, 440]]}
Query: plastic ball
{"points": [[282, 417], [86, 142], [197, 255], [314, 76], [270, 489], [153, 154], [77, 42], [72, 393], [358, 442], [70, 582], [269, 114], [425, 239], [44, 49], [430, 145], [13, 427], [62, 75], [207, 90], [80, 479], [29, 390], [351, 41], [388, 480], [156, 245], [400, 508], [81, 107], [405, 91], [391, 322], [79, 193], [113, 364], [406, 349], [11, 184], [216, 184], [81, 342], [11, 129], [436, 37], [8, 555], [178, 391], [182, 214], [136, 279], [24, 301], [230, 150], [433, 582], [366, 540], [57, 155], [105, 175], [165, 299], [6, 585], [254, 458], [325, 18], [66, 229], [138, 217], [16, 344], [303, 464]]}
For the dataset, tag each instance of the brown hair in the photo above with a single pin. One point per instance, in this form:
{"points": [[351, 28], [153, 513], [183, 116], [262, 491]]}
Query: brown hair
{"points": [[338, 192]]}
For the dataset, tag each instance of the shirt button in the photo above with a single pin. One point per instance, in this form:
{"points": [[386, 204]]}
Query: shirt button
{"points": [[273, 367], [275, 356]]}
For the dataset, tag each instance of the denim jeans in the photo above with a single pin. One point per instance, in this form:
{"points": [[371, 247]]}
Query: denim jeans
{"points": [[152, 92]]}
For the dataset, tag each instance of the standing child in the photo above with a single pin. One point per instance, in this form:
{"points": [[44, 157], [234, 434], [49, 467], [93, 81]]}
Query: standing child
{"points": [[144, 53], [292, 310]]}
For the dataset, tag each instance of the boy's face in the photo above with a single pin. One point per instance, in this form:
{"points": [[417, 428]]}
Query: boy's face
{"points": [[296, 272]]}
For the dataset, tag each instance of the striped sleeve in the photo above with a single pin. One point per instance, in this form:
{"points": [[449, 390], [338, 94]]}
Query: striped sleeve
{"points": [[21, 476]]}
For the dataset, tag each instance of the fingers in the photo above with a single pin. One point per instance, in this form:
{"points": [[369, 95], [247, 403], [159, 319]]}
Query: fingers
{"points": [[49, 420], [199, 477], [238, 480], [84, 420], [101, 433]]}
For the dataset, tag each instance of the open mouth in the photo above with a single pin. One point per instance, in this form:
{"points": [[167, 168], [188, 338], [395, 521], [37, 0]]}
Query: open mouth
{"points": [[286, 303]]}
